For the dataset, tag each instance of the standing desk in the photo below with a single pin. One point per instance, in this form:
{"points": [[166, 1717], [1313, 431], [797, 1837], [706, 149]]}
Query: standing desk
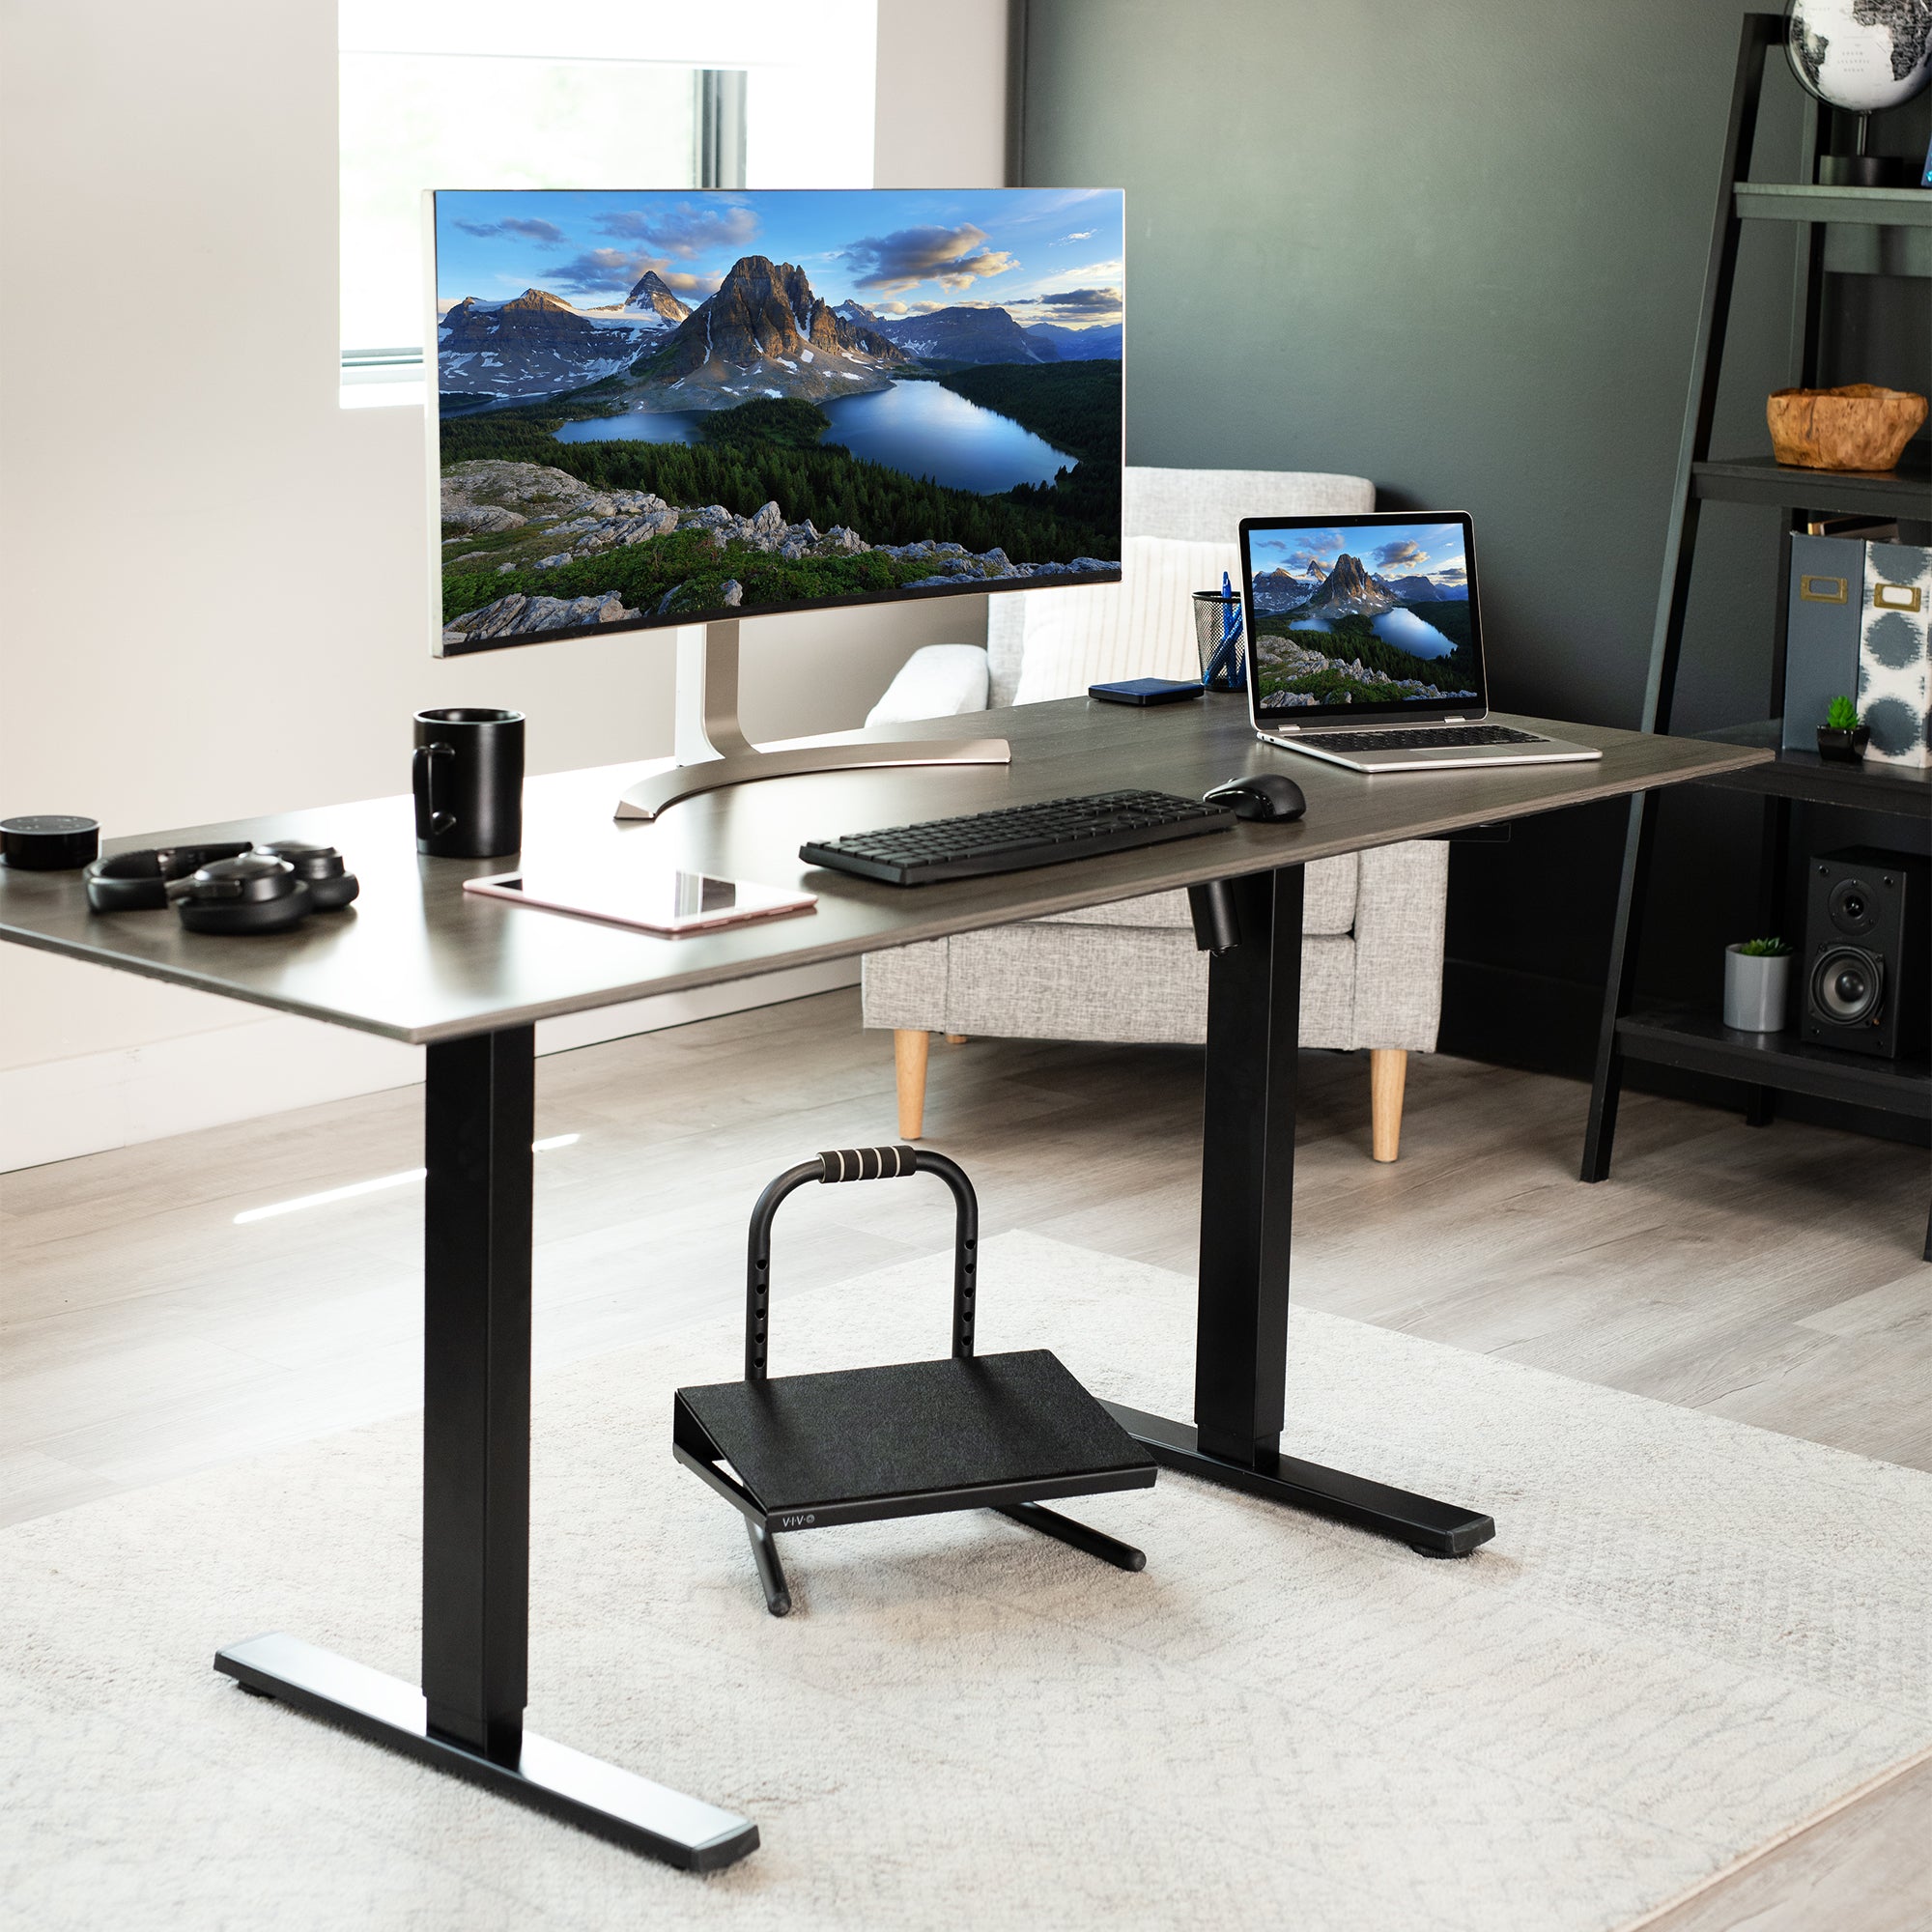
{"points": [[418, 960]]}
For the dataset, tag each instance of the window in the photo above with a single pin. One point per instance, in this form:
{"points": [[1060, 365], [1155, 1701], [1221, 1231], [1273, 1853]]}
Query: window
{"points": [[576, 94]]}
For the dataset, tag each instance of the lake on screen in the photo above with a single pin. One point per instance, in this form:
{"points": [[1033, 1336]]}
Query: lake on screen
{"points": [[922, 428], [1402, 629]]}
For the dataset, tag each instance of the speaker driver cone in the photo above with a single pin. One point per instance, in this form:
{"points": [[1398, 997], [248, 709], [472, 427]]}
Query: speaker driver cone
{"points": [[1847, 985]]}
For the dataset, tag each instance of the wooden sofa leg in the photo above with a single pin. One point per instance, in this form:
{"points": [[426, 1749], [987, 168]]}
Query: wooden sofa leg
{"points": [[1388, 1073], [909, 1049], [956, 1040]]}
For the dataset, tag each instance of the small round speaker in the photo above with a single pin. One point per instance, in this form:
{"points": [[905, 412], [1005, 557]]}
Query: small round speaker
{"points": [[50, 841], [1847, 985]]}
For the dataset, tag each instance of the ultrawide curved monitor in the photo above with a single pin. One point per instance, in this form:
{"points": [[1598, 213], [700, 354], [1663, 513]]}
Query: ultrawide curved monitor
{"points": [[666, 407]]}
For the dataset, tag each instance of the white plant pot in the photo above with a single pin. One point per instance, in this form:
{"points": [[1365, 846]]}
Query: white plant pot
{"points": [[1757, 990]]}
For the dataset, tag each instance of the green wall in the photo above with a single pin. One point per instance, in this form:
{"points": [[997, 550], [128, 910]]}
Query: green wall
{"points": [[1458, 249]]}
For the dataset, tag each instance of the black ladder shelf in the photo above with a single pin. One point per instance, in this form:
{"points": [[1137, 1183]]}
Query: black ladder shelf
{"points": [[1673, 1035]]}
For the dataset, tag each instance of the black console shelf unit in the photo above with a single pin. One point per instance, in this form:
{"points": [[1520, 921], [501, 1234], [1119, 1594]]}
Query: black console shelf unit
{"points": [[1685, 1037]]}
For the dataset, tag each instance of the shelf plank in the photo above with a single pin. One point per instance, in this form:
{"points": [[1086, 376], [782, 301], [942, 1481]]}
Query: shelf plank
{"points": [[1904, 491], [1902, 790], [1698, 1042], [1875, 206]]}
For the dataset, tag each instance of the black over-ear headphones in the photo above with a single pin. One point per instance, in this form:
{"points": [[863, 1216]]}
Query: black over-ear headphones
{"points": [[330, 884], [226, 888], [139, 881]]}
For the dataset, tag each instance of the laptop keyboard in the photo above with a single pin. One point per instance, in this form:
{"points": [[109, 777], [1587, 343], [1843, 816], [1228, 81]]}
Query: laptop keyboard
{"points": [[1444, 738]]}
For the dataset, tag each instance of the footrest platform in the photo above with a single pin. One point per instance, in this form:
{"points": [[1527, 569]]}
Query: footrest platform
{"points": [[910, 1438]]}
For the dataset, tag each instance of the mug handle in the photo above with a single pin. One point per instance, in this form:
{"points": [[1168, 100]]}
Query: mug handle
{"points": [[430, 822]]}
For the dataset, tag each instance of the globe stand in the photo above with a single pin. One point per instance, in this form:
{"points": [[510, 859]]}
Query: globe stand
{"points": [[1860, 169]]}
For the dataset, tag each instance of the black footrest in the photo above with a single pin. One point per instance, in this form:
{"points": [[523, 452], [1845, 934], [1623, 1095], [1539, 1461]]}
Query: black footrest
{"points": [[912, 1438]]}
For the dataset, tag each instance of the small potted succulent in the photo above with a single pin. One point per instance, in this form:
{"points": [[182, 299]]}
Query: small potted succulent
{"points": [[1757, 985], [1841, 736]]}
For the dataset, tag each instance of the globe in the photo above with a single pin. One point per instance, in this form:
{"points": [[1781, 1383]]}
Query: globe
{"points": [[1860, 55]]}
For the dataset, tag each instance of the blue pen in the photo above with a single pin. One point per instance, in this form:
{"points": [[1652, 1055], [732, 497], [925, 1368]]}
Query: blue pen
{"points": [[1238, 668], [1226, 659]]}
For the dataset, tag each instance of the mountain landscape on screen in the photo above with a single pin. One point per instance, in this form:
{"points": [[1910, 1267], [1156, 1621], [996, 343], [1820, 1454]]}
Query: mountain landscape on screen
{"points": [[1098, 342], [968, 336], [651, 296], [658, 407], [1426, 590], [1384, 623], [1348, 590]]}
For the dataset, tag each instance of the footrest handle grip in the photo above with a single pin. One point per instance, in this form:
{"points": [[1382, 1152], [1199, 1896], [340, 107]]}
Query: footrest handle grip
{"points": [[873, 1163]]}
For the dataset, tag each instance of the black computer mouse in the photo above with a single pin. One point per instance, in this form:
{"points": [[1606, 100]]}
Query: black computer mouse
{"points": [[1268, 796]]}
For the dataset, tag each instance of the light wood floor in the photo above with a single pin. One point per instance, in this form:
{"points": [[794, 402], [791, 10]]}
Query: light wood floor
{"points": [[1770, 1276]]}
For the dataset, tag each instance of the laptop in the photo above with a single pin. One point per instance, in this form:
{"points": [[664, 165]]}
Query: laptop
{"points": [[1365, 645]]}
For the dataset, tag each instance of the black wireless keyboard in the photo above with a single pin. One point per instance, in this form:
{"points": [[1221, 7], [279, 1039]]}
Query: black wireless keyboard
{"points": [[1017, 837], [1443, 737]]}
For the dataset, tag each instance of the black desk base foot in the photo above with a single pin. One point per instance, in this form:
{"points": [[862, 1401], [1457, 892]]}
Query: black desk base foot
{"points": [[583, 1791], [1434, 1529]]}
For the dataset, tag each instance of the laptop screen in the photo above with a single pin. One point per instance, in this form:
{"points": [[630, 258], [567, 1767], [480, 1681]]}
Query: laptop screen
{"points": [[1371, 614]]}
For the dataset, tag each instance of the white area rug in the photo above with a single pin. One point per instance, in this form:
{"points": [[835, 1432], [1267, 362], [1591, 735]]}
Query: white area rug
{"points": [[1689, 1639]]}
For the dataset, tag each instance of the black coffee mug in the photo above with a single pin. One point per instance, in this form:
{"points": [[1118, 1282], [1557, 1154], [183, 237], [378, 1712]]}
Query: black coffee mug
{"points": [[467, 777]]}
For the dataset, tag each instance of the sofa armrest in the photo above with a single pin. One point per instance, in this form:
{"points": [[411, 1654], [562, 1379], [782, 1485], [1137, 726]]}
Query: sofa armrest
{"points": [[937, 681], [905, 988]]}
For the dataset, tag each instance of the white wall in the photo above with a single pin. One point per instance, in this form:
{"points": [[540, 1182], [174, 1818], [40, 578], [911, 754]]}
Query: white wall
{"points": [[213, 573], [941, 119]]}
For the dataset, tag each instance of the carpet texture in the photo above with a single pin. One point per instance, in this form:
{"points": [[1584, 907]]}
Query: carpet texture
{"points": [[1689, 1639]]}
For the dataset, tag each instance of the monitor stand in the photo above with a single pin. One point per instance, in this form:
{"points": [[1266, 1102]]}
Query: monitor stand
{"points": [[721, 755]]}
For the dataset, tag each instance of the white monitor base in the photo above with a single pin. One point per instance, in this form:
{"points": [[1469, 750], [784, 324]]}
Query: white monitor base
{"points": [[725, 757], [650, 796]]}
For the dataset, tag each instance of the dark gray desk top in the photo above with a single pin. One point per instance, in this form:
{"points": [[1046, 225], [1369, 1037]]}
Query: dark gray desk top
{"points": [[418, 960]]}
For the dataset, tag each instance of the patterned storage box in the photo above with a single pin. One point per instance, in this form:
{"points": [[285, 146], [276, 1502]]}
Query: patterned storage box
{"points": [[1895, 653]]}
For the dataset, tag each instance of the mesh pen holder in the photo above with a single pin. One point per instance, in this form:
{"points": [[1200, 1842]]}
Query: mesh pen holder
{"points": [[1219, 638]]}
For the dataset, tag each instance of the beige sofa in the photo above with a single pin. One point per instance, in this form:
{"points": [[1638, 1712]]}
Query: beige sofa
{"points": [[1371, 951]]}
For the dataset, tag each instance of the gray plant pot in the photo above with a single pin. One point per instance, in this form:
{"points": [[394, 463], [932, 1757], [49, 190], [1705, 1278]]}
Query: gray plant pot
{"points": [[1757, 990]]}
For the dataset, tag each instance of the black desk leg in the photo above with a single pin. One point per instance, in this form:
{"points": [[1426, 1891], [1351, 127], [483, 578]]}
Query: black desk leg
{"points": [[468, 1718], [1247, 1201]]}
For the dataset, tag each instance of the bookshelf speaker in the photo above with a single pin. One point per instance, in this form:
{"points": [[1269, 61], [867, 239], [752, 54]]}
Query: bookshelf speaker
{"points": [[1866, 935]]}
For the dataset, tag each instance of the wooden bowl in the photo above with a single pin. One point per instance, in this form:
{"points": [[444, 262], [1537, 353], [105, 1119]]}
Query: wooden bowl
{"points": [[1858, 427]]}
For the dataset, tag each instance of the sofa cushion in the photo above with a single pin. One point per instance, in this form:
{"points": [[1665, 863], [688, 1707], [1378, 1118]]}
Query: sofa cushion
{"points": [[1329, 907], [1045, 982], [1141, 627], [937, 681]]}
